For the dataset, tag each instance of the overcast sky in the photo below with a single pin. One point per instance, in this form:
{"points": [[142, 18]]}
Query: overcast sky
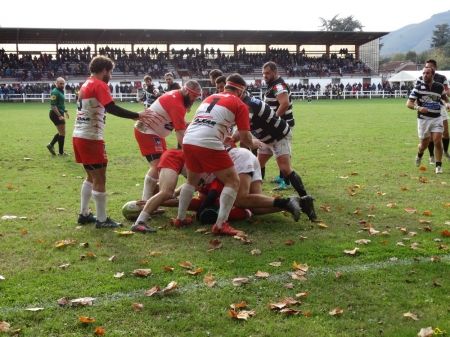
{"points": [[300, 15]]}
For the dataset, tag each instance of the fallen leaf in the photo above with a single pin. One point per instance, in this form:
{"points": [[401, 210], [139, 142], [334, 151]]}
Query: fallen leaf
{"points": [[171, 286], [34, 309], [201, 230], [362, 241], [422, 168], [209, 280], [357, 212], [238, 305], [112, 258], [351, 252], [64, 266], [275, 264], [289, 242], [437, 284], [142, 272], [186, 264], [4, 326], [400, 244], [336, 311], [301, 295], [119, 275], [427, 213], [445, 233], [99, 331], [322, 225], [244, 314], [154, 253], [84, 319], [425, 221], [391, 204], [411, 315], [215, 244], [426, 332], [137, 306], [256, 252], [152, 291], [404, 188], [372, 231], [195, 272], [238, 281], [326, 208], [290, 311], [63, 301], [423, 180], [82, 301], [427, 228], [435, 259], [302, 266], [261, 274], [289, 285]]}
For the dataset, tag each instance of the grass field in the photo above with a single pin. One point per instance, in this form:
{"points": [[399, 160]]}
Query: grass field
{"points": [[355, 157]]}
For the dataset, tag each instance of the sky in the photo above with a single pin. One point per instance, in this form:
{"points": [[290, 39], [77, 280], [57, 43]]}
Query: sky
{"points": [[298, 15]]}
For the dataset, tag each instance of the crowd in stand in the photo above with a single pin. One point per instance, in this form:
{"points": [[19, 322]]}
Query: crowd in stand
{"points": [[74, 62]]}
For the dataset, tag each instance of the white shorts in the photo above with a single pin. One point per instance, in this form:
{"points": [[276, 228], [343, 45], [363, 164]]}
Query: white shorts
{"points": [[425, 126], [278, 147], [245, 161], [444, 115]]}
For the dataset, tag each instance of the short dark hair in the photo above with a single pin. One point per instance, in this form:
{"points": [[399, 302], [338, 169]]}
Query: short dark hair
{"points": [[98, 63], [221, 79], [271, 65], [432, 61], [235, 78], [432, 70], [215, 73]]}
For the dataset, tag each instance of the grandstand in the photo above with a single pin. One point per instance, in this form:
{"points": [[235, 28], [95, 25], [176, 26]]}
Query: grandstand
{"points": [[317, 60]]}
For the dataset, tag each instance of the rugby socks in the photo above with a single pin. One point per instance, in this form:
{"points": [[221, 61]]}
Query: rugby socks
{"points": [[431, 148], [445, 142], [100, 205], [61, 143], [149, 187], [143, 216], [297, 183], [226, 202], [186, 193], [86, 194], [55, 139], [280, 203], [420, 155], [286, 179], [263, 172]]}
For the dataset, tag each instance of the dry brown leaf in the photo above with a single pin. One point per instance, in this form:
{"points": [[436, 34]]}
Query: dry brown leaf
{"points": [[119, 275], [238, 305], [372, 231], [142, 272], [209, 280], [166, 268], [82, 301], [186, 264], [411, 315], [279, 305], [302, 266], [362, 241], [63, 301], [298, 277], [275, 264], [437, 284], [153, 253], [85, 319], [289, 242], [435, 259], [238, 281], [152, 291], [425, 221], [326, 208], [4, 326], [261, 274], [64, 266], [244, 314], [301, 295], [338, 274], [201, 230], [137, 306], [322, 225], [34, 309], [410, 210], [290, 311], [289, 285], [256, 252], [426, 332], [171, 286], [336, 311], [351, 252], [215, 244], [391, 204], [195, 272], [99, 331], [400, 244]]}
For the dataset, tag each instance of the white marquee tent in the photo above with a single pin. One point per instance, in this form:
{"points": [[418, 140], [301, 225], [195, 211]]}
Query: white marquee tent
{"points": [[409, 76]]}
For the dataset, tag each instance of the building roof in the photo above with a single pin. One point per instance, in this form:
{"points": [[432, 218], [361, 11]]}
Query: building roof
{"points": [[166, 36]]}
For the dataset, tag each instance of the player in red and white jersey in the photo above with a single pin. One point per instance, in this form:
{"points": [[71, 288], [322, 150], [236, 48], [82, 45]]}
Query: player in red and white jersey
{"points": [[166, 114], [205, 152], [94, 100]]}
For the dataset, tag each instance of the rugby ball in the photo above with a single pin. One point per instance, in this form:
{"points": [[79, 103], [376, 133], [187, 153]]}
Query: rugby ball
{"points": [[131, 210]]}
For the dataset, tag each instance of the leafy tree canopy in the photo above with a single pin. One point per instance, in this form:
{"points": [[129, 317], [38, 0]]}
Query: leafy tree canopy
{"points": [[441, 35], [348, 24]]}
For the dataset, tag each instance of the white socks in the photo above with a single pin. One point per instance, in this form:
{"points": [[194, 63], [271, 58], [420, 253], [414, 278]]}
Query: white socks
{"points": [[226, 202], [100, 205], [149, 187], [143, 216], [186, 193], [86, 194]]}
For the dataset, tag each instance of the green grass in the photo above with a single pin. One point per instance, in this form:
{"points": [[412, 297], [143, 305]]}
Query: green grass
{"points": [[375, 140]]}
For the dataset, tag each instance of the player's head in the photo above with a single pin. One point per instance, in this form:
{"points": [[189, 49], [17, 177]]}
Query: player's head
{"points": [[59, 83], [220, 83], [213, 74], [169, 78], [236, 85], [270, 71], [431, 63], [428, 75], [148, 80], [102, 67], [191, 91]]}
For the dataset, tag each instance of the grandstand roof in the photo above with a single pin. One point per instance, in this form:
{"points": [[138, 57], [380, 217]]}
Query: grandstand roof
{"points": [[166, 36]]}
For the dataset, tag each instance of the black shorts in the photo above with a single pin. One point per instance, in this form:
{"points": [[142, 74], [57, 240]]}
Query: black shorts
{"points": [[55, 119]]}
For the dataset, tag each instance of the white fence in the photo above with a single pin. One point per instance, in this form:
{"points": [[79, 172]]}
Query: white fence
{"points": [[69, 97]]}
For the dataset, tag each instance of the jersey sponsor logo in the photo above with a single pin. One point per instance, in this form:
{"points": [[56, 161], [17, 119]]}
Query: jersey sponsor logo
{"points": [[158, 144], [169, 126], [53, 97], [205, 122], [83, 119], [255, 100]]}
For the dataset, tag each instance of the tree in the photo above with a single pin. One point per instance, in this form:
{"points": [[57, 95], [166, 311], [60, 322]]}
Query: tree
{"points": [[411, 56], [398, 57], [441, 35], [348, 24]]}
